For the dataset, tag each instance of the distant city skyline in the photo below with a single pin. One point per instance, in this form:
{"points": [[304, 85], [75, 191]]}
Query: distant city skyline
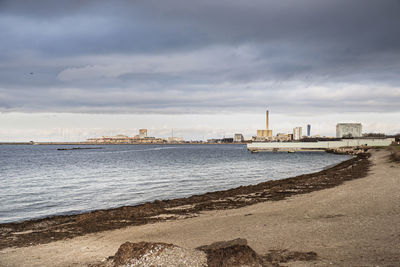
{"points": [[79, 127], [77, 69]]}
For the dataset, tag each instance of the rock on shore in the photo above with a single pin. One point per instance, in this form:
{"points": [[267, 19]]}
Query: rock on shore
{"points": [[233, 253]]}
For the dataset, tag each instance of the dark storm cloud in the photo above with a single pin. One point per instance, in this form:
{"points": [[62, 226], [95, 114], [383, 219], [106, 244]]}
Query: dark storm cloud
{"points": [[111, 53], [352, 27]]}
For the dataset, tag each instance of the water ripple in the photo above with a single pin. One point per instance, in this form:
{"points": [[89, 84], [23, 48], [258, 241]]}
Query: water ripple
{"points": [[39, 181]]}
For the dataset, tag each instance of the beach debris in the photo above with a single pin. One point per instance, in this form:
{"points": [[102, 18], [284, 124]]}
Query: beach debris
{"points": [[347, 150], [233, 253], [284, 255], [157, 254]]}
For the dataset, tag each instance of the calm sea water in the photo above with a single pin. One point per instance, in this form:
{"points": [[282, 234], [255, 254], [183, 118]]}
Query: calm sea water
{"points": [[40, 181]]}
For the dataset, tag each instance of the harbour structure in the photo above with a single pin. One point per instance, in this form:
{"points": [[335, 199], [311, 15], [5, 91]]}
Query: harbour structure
{"points": [[348, 130], [267, 133], [319, 145], [308, 130], [297, 133]]}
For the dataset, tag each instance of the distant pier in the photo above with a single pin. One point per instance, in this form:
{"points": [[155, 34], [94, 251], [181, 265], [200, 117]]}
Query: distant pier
{"points": [[317, 146]]}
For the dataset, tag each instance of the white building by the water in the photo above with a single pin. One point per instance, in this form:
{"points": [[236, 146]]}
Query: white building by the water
{"points": [[348, 130]]}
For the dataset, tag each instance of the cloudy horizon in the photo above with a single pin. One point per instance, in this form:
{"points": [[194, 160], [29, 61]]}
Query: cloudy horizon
{"points": [[73, 69]]}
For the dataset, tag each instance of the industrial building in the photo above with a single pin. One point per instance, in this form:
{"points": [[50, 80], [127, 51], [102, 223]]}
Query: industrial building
{"points": [[297, 133], [238, 138], [348, 130], [225, 140], [281, 137], [141, 138], [175, 140], [142, 133], [265, 134]]}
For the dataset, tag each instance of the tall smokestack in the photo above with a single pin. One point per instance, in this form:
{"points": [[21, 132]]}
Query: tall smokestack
{"points": [[267, 119]]}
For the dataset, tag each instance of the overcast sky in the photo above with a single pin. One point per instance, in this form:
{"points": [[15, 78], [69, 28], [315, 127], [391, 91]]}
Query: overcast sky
{"points": [[74, 69]]}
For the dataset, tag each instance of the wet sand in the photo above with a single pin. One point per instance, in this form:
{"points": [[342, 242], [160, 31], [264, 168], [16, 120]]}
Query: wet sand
{"points": [[351, 223]]}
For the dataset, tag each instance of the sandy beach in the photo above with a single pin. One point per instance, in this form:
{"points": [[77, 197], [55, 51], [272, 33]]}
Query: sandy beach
{"points": [[355, 223]]}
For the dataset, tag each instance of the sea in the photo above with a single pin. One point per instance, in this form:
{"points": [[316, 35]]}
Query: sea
{"points": [[40, 181]]}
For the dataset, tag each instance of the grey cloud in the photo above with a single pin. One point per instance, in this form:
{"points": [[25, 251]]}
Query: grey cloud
{"points": [[354, 27], [223, 98], [107, 52]]}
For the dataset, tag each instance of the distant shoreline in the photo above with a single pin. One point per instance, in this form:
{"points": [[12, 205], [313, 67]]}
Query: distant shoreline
{"points": [[15, 143]]}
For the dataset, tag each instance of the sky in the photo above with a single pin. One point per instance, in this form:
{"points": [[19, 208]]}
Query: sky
{"points": [[70, 70]]}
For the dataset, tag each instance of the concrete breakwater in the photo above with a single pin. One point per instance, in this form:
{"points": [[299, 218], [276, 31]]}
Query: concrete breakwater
{"points": [[317, 146]]}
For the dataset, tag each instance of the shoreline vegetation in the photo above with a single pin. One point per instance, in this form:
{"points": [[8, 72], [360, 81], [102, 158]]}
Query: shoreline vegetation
{"points": [[394, 153], [46, 230]]}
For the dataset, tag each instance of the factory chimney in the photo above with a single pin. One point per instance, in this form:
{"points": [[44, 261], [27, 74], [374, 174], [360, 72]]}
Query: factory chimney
{"points": [[267, 119]]}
